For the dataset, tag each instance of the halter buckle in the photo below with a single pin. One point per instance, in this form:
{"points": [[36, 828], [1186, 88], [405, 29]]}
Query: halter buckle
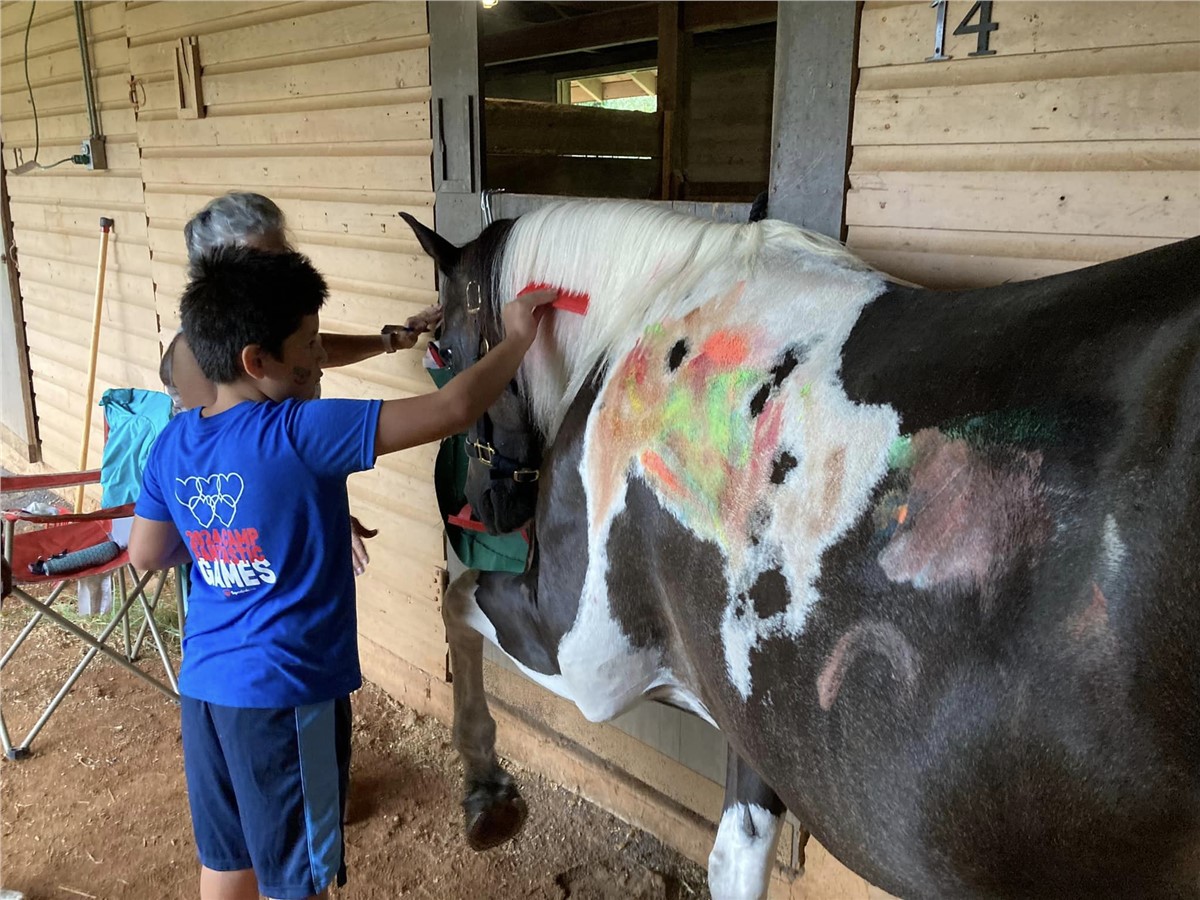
{"points": [[484, 453], [525, 476]]}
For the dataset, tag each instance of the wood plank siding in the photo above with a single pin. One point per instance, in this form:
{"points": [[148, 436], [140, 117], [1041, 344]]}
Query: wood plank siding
{"points": [[56, 218], [1077, 142], [324, 107]]}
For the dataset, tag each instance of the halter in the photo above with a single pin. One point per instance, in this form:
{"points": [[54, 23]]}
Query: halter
{"points": [[482, 450]]}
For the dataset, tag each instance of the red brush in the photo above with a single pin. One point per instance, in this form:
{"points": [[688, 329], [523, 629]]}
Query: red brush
{"points": [[568, 301]]}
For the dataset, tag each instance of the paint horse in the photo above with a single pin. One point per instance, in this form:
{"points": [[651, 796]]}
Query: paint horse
{"points": [[929, 560]]}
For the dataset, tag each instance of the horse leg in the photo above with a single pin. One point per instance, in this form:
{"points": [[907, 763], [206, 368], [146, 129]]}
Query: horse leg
{"points": [[739, 866], [493, 808]]}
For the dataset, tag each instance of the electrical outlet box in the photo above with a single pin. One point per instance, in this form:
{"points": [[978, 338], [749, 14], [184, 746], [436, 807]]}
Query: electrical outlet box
{"points": [[93, 149]]}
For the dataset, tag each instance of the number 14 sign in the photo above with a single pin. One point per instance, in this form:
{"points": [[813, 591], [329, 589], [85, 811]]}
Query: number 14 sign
{"points": [[982, 29]]}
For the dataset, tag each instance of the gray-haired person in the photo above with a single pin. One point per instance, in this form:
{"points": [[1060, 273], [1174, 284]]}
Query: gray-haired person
{"points": [[242, 218]]}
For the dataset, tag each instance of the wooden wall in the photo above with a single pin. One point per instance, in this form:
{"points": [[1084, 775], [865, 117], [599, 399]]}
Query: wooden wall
{"points": [[578, 151], [728, 152], [1077, 142], [56, 216], [324, 107]]}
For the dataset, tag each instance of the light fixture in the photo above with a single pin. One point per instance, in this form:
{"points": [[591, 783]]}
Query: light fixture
{"points": [[488, 4]]}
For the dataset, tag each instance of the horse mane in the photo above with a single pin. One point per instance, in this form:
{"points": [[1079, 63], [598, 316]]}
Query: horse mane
{"points": [[639, 264]]}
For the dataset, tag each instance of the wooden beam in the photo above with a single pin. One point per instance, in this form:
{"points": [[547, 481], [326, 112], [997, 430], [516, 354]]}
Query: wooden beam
{"points": [[629, 25], [647, 81], [602, 29], [673, 82], [593, 87], [29, 442], [699, 17], [552, 129], [810, 124]]}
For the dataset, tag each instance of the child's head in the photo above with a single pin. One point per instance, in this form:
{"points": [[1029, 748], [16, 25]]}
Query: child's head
{"points": [[239, 218], [181, 376], [253, 314]]}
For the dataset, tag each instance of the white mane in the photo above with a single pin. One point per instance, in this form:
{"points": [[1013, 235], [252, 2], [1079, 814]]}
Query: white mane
{"points": [[639, 264]]}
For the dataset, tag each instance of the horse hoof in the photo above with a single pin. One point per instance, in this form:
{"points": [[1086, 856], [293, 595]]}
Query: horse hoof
{"points": [[495, 813]]}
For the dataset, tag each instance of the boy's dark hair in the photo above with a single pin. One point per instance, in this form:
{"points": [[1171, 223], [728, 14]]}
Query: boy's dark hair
{"points": [[237, 296]]}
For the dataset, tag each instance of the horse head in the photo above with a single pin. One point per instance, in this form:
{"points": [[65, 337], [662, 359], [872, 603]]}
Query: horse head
{"points": [[504, 446]]}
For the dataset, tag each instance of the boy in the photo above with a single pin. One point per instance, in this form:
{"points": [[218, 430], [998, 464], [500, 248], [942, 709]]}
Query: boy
{"points": [[252, 489]]}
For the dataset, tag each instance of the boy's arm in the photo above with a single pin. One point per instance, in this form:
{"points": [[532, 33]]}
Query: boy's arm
{"points": [[430, 417], [156, 545]]}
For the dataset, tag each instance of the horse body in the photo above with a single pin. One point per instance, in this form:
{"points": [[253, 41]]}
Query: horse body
{"points": [[929, 560]]}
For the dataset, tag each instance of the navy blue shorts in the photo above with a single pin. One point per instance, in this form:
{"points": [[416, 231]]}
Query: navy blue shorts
{"points": [[267, 790]]}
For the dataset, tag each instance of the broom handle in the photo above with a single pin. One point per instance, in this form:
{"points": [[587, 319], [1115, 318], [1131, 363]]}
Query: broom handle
{"points": [[105, 226]]}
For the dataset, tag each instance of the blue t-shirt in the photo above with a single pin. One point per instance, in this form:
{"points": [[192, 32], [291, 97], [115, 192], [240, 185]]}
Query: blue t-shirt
{"points": [[258, 494]]}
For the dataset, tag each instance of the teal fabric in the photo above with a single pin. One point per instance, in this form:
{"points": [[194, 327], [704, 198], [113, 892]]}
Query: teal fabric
{"points": [[477, 550], [135, 419]]}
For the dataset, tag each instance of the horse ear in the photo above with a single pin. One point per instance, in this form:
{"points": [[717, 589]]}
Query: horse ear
{"points": [[444, 253]]}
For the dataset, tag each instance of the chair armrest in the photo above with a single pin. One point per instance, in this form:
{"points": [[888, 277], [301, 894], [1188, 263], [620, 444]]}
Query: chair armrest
{"points": [[112, 512], [23, 483]]}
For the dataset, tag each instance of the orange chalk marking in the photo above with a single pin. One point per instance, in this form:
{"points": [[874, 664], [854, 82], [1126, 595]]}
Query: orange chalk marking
{"points": [[654, 464], [726, 348]]}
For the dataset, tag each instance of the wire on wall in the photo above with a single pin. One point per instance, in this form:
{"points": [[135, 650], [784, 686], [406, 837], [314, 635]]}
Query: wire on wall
{"points": [[37, 135]]}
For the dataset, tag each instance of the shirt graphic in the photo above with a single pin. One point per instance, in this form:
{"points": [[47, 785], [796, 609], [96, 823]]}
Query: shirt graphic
{"points": [[227, 558]]}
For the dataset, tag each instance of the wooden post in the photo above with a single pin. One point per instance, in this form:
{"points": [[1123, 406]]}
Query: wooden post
{"points": [[673, 81], [106, 225], [815, 47], [20, 389]]}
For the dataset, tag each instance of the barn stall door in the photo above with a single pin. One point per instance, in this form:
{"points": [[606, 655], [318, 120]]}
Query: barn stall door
{"points": [[1054, 136], [324, 107]]}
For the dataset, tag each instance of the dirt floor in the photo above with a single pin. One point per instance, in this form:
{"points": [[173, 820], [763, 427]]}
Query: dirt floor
{"points": [[99, 810]]}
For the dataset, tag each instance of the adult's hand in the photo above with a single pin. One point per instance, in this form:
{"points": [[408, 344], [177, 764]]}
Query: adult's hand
{"points": [[358, 550]]}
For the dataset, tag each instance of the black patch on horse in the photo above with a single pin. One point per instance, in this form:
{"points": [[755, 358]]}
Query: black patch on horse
{"points": [[784, 463], [759, 401], [678, 354], [792, 357], [769, 594]]}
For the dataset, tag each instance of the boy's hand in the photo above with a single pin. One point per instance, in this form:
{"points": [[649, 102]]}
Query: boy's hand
{"points": [[522, 315]]}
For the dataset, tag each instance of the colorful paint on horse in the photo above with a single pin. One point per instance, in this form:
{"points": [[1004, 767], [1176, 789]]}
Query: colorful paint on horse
{"points": [[733, 414], [968, 512], [688, 419]]}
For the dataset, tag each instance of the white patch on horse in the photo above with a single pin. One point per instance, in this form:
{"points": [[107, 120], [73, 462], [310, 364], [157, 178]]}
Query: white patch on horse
{"points": [[604, 675], [1115, 550], [739, 866], [477, 619], [746, 295]]}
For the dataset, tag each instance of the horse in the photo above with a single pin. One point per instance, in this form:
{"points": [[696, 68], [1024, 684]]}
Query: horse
{"points": [[929, 560]]}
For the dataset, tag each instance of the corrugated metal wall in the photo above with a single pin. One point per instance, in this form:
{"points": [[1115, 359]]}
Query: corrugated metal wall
{"points": [[56, 217], [1077, 142]]}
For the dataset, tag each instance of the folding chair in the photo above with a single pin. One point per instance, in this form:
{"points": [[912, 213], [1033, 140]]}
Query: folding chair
{"points": [[76, 531]]}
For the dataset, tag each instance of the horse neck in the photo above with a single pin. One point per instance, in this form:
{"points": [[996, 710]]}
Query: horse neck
{"points": [[638, 267]]}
